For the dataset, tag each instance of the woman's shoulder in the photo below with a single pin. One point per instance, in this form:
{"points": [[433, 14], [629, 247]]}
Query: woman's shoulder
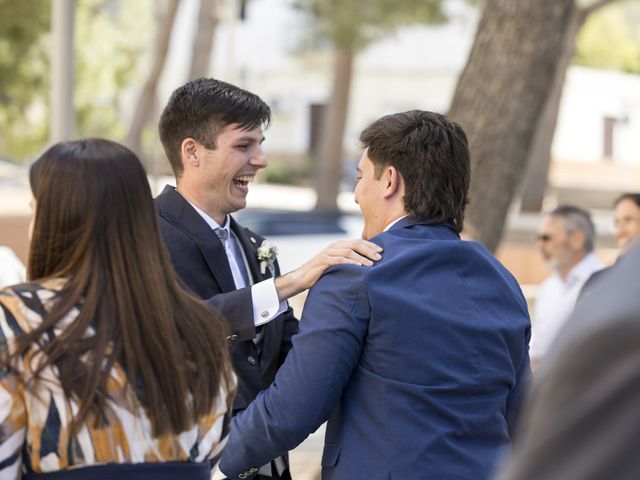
{"points": [[26, 293], [24, 305]]}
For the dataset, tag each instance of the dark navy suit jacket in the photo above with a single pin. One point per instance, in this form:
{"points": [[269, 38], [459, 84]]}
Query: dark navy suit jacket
{"points": [[201, 262], [417, 363]]}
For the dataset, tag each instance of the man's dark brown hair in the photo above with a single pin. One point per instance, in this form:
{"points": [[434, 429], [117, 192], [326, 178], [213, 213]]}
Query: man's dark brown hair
{"points": [[201, 109], [431, 153]]}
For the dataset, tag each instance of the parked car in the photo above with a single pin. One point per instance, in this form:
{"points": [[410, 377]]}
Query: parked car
{"points": [[299, 235]]}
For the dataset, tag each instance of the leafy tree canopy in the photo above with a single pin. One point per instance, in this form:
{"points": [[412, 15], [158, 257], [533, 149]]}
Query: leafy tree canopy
{"points": [[352, 24], [110, 37], [610, 38], [23, 71]]}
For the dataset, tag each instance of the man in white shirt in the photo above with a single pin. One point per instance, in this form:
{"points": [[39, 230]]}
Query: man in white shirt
{"points": [[566, 239], [212, 133]]}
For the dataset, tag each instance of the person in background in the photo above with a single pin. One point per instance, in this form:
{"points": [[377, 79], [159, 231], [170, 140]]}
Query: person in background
{"points": [[581, 419], [212, 134], [11, 268], [109, 368], [566, 240], [626, 223], [626, 219]]}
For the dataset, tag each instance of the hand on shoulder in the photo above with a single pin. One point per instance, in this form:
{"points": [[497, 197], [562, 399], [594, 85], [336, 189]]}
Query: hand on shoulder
{"points": [[353, 252]]}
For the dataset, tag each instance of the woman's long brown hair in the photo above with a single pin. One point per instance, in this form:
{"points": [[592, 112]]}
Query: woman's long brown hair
{"points": [[95, 226]]}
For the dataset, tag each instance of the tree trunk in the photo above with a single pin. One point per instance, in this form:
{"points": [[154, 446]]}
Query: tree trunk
{"points": [[500, 96], [144, 106], [203, 39], [536, 178], [329, 173]]}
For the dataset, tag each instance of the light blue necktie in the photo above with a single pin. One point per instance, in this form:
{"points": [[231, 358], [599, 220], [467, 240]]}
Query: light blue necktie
{"points": [[234, 255]]}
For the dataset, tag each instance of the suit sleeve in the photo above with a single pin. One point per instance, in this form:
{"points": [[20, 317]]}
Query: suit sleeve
{"points": [[237, 308], [290, 326], [580, 419], [308, 386], [519, 390]]}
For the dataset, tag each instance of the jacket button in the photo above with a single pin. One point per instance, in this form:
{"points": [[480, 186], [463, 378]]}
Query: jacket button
{"points": [[252, 360]]}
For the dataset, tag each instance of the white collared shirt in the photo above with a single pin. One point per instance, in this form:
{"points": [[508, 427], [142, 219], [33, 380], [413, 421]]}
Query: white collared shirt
{"points": [[264, 297], [394, 222], [555, 301]]}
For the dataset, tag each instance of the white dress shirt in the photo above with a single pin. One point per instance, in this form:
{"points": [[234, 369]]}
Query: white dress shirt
{"points": [[555, 301], [394, 222], [264, 297]]}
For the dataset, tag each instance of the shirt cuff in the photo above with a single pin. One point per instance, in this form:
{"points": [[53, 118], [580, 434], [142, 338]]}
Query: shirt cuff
{"points": [[266, 305], [217, 474]]}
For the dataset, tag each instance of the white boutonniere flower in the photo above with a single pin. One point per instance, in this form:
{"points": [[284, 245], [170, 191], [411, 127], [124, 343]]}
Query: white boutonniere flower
{"points": [[267, 256]]}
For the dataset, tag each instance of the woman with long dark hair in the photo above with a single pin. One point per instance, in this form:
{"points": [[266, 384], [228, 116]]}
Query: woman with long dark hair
{"points": [[108, 367]]}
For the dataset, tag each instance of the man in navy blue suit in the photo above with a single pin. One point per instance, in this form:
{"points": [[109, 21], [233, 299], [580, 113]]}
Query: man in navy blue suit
{"points": [[417, 362]]}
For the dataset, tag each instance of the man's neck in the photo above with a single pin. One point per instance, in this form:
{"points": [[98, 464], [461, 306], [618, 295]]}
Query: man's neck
{"points": [[190, 196], [395, 220], [394, 212], [570, 265]]}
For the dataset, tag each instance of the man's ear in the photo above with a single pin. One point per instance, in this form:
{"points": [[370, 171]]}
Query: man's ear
{"points": [[393, 181], [578, 239], [189, 149]]}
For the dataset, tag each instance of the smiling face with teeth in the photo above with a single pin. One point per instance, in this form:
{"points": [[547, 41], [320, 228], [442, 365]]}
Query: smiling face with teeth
{"points": [[217, 180]]}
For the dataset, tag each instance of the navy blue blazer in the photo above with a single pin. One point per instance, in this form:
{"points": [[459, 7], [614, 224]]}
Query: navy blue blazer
{"points": [[417, 362]]}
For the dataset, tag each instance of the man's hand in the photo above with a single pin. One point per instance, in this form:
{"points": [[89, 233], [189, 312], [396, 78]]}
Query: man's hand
{"points": [[355, 252]]}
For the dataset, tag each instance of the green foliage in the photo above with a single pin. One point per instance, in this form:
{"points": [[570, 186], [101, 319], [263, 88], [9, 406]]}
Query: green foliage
{"points": [[281, 173], [110, 38], [24, 70], [610, 38], [352, 24]]}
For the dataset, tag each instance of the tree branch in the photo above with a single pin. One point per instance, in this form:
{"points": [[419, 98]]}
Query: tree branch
{"points": [[597, 5]]}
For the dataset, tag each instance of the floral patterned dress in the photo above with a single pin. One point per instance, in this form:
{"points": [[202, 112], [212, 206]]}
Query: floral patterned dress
{"points": [[35, 422]]}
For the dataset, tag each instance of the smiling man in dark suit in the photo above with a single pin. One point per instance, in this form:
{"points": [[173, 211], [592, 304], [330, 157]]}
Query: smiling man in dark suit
{"points": [[212, 133], [418, 362]]}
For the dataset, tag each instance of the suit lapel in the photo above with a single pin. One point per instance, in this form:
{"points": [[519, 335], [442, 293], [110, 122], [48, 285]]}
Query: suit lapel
{"points": [[176, 210]]}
